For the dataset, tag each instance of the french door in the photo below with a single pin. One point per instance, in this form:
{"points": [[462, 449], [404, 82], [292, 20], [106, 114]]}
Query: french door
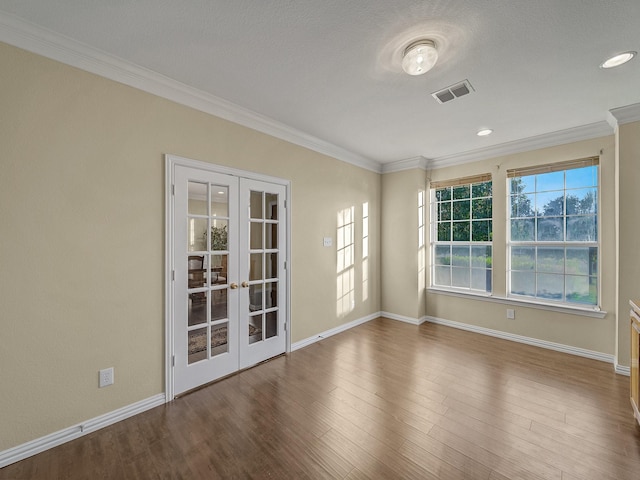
{"points": [[229, 285]]}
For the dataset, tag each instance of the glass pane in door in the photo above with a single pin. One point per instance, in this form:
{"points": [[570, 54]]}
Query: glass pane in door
{"points": [[219, 339], [219, 201], [255, 205], [219, 307], [255, 328], [271, 204], [197, 345], [255, 266], [271, 324]]}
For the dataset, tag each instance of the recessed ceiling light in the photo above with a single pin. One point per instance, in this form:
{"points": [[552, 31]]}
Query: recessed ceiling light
{"points": [[618, 60], [484, 132], [419, 57], [220, 193]]}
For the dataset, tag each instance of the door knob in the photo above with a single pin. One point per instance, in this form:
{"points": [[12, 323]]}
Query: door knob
{"points": [[233, 286], [245, 284]]}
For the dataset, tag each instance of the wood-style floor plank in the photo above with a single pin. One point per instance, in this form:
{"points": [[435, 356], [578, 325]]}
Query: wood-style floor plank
{"points": [[383, 400]]}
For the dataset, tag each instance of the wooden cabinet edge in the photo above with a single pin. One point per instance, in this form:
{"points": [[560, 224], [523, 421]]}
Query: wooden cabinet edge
{"points": [[635, 357]]}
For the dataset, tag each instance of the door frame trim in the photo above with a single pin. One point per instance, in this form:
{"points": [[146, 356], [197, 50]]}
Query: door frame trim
{"points": [[171, 161]]}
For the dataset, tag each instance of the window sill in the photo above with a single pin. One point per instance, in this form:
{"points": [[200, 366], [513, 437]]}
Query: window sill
{"points": [[584, 312]]}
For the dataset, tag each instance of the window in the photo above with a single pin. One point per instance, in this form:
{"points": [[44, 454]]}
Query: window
{"points": [[553, 232], [461, 233]]}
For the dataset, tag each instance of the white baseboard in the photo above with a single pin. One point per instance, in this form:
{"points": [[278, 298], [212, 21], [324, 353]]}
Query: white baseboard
{"points": [[332, 331], [402, 318], [559, 347], [622, 370], [41, 444]]}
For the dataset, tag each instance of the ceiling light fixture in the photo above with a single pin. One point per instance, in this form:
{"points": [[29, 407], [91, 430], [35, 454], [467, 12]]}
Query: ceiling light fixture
{"points": [[484, 132], [419, 57], [618, 60]]}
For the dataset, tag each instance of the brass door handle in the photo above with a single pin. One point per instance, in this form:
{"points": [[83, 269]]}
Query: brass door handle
{"points": [[245, 284], [233, 286]]}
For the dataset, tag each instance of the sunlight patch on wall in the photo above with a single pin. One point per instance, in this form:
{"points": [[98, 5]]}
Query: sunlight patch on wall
{"points": [[345, 262], [365, 251], [422, 279]]}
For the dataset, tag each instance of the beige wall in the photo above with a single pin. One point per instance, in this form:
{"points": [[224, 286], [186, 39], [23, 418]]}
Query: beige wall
{"points": [[402, 276], [629, 231], [569, 329], [82, 242]]}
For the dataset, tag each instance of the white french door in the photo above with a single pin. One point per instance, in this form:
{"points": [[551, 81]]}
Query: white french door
{"points": [[229, 286]]}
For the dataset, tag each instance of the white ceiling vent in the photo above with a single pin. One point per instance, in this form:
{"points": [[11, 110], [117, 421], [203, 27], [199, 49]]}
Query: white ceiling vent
{"points": [[452, 92]]}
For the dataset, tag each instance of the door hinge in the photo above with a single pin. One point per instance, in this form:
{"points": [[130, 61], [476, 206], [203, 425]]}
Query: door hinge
{"points": [[285, 265], [173, 189], [173, 361], [285, 326], [173, 275], [285, 204]]}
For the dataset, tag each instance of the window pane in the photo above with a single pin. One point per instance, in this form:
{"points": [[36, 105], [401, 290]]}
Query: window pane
{"points": [[582, 177], [523, 205], [582, 289], [460, 257], [461, 231], [481, 279], [444, 211], [523, 230], [522, 184], [443, 255], [523, 258], [481, 208], [461, 210], [444, 232], [550, 204], [523, 283], [481, 257], [550, 286], [443, 194], [582, 228], [481, 231], [460, 277], [578, 261], [550, 260], [550, 181], [462, 191], [442, 276], [550, 229], [483, 189], [584, 200]]}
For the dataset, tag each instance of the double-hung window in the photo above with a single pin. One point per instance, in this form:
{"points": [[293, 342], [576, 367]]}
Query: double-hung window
{"points": [[553, 232], [461, 234]]}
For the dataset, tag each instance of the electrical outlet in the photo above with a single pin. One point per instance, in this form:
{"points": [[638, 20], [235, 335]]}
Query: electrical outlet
{"points": [[511, 313], [327, 241], [106, 377]]}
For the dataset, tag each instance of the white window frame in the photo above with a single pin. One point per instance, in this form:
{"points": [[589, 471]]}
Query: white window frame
{"points": [[555, 167]]}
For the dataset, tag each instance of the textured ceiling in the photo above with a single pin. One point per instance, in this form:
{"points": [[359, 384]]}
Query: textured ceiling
{"points": [[331, 68]]}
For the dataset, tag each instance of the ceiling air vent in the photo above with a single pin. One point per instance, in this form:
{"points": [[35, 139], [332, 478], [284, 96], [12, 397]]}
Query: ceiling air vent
{"points": [[454, 91]]}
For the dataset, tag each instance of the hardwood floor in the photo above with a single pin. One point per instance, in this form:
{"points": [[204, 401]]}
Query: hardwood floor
{"points": [[384, 400]]}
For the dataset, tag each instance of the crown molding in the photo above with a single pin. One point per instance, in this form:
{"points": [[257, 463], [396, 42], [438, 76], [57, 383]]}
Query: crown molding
{"points": [[561, 137], [408, 164], [27, 36], [627, 114]]}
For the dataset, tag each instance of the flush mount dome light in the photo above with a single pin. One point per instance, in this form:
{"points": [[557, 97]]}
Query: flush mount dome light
{"points": [[618, 60], [419, 57], [483, 132]]}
